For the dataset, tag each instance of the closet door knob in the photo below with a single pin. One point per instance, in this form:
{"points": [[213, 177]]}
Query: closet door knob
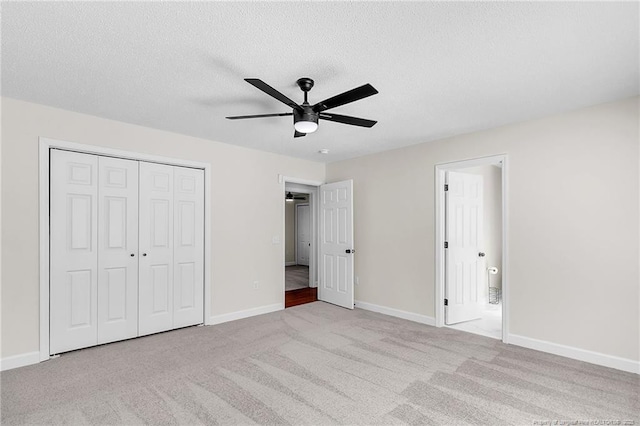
{"points": [[132, 254], [144, 254]]}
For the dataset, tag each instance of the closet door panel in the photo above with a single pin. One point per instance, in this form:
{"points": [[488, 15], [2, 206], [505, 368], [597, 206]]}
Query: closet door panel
{"points": [[156, 248], [73, 250], [188, 272], [117, 249]]}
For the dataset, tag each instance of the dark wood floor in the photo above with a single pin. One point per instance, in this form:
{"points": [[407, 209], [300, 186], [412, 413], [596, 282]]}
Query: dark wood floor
{"points": [[300, 296]]}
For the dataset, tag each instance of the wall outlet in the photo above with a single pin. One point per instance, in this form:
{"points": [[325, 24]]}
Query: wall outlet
{"points": [[256, 285], [357, 280], [275, 239]]}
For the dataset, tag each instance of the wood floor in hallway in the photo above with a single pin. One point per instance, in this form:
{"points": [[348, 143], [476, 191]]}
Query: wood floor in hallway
{"points": [[300, 296]]}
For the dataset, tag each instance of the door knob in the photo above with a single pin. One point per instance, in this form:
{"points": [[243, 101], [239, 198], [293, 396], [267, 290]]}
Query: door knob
{"points": [[144, 254], [481, 254], [132, 254], [350, 250]]}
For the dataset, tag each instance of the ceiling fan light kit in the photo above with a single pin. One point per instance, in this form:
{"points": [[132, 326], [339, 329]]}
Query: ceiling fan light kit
{"points": [[305, 121], [305, 116], [290, 197]]}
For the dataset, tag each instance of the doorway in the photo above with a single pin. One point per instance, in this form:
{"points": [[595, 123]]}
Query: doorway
{"points": [[297, 241], [300, 251], [471, 286], [331, 254]]}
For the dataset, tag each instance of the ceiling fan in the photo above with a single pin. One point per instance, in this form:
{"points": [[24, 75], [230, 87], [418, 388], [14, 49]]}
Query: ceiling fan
{"points": [[305, 116], [291, 197]]}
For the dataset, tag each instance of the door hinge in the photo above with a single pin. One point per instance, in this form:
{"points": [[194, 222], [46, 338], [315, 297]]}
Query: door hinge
{"points": [[446, 244], [446, 302], [446, 186]]}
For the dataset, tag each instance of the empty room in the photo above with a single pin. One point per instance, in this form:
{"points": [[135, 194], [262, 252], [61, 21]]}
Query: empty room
{"points": [[311, 212]]}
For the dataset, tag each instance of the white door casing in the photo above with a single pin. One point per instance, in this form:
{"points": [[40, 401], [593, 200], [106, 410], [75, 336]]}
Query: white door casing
{"points": [[74, 251], [156, 248], [303, 234], [188, 247], [336, 243], [117, 249], [464, 268]]}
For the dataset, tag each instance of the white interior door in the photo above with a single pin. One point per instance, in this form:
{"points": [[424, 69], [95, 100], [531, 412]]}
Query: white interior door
{"points": [[336, 243], [74, 251], [188, 247], [156, 223], [117, 249], [464, 268], [303, 234]]}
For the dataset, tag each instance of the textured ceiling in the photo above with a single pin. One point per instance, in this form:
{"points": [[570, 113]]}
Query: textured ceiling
{"points": [[441, 68]]}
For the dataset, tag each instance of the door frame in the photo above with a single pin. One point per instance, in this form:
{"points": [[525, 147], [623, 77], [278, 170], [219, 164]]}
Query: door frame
{"points": [[44, 145], [314, 256], [295, 227], [440, 170]]}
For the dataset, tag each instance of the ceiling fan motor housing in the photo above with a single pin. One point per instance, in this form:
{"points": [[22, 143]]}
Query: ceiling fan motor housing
{"points": [[307, 114]]}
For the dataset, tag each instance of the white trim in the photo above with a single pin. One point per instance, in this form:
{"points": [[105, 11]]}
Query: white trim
{"points": [[44, 247], [21, 360], [439, 235], [232, 316], [410, 316], [208, 284], [290, 179], [597, 358], [290, 263], [130, 155], [45, 144]]}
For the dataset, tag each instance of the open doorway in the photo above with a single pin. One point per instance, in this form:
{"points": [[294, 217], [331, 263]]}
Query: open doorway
{"points": [[471, 236], [300, 244], [297, 240]]}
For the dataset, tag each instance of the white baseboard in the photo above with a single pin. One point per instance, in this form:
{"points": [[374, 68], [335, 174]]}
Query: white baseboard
{"points": [[597, 358], [21, 360], [232, 316], [422, 319], [290, 263]]}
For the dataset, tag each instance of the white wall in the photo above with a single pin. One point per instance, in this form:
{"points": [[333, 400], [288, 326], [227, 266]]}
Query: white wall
{"points": [[242, 234], [573, 211], [573, 225]]}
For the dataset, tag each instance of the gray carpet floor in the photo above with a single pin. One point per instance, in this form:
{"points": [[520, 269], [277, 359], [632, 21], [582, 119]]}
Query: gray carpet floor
{"points": [[315, 364], [296, 277]]}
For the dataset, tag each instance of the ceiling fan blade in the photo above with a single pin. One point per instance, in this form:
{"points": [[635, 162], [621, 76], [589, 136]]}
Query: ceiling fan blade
{"points": [[272, 92], [297, 134], [346, 97], [345, 119], [241, 117]]}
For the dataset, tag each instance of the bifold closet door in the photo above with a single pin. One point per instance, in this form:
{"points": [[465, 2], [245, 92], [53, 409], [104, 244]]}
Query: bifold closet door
{"points": [[73, 247], [156, 248], [171, 226], [117, 249], [126, 249], [94, 233], [188, 248]]}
